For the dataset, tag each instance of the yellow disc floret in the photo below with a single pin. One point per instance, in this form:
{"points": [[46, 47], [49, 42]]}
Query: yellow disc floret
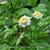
{"points": [[38, 13], [23, 20]]}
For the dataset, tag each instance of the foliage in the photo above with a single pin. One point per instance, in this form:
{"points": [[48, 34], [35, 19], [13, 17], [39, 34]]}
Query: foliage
{"points": [[35, 37]]}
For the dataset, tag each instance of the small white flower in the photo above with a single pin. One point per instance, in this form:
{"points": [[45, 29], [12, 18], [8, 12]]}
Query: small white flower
{"points": [[24, 21], [37, 15], [3, 2]]}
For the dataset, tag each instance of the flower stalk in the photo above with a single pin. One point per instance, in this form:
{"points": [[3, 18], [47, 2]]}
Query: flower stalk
{"points": [[19, 39]]}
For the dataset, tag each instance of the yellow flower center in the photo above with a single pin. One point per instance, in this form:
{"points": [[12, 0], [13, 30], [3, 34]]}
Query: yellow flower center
{"points": [[38, 13], [23, 20]]}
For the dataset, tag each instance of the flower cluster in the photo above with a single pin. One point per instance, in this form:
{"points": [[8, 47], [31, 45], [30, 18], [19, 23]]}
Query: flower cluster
{"points": [[26, 21]]}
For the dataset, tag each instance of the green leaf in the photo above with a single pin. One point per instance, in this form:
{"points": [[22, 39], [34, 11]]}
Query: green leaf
{"points": [[3, 1], [44, 1], [8, 32], [4, 47], [41, 7], [23, 11], [19, 39], [15, 28]]}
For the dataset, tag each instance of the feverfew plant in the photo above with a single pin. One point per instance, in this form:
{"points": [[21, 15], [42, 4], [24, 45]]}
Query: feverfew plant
{"points": [[24, 25]]}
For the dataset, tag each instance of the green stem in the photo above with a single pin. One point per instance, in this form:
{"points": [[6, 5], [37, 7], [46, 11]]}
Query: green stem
{"points": [[11, 5], [19, 39]]}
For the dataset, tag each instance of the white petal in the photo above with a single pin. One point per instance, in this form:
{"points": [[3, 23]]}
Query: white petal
{"points": [[28, 23], [23, 25], [28, 18], [38, 17]]}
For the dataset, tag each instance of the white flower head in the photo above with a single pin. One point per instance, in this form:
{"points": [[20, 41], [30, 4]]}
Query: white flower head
{"points": [[24, 21], [37, 15]]}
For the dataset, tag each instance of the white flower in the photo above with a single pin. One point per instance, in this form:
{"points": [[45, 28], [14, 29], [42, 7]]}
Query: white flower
{"points": [[3, 2], [24, 21], [37, 15]]}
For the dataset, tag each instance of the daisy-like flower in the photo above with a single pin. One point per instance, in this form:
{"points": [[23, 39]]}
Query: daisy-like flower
{"points": [[24, 21], [37, 15]]}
